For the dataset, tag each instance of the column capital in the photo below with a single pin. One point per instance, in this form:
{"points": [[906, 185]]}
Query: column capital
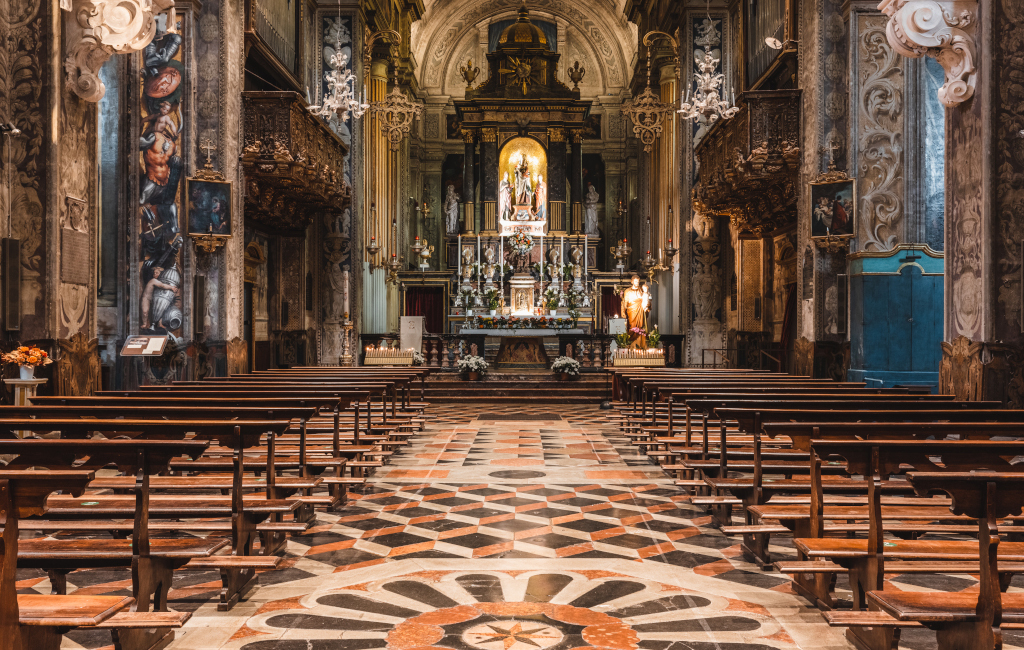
{"points": [[577, 135], [942, 29], [489, 134], [556, 135], [468, 135]]}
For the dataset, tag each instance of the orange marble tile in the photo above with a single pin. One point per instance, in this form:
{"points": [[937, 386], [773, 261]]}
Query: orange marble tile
{"points": [[333, 546], [568, 551], [494, 549], [411, 548], [598, 535], [284, 603], [358, 565], [410, 634], [245, 632], [612, 474], [714, 568], [736, 605], [516, 462], [418, 473]]}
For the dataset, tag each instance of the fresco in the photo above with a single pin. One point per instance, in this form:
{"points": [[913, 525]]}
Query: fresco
{"points": [[160, 167]]}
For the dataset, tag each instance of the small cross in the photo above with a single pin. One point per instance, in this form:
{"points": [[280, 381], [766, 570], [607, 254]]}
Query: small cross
{"points": [[208, 146], [152, 230]]}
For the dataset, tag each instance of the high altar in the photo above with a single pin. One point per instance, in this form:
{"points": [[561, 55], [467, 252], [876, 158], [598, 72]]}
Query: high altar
{"points": [[532, 201]]}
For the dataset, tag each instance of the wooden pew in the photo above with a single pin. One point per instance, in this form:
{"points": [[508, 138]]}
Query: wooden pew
{"points": [[238, 570], [37, 621]]}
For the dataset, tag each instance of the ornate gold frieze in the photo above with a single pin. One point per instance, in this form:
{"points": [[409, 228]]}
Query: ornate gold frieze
{"points": [[292, 163]]}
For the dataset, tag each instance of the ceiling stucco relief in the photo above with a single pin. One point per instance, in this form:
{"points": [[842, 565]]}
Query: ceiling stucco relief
{"points": [[448, 23]]}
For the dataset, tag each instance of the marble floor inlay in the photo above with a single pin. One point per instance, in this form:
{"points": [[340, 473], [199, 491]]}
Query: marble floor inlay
{"points": [[548, 531]]}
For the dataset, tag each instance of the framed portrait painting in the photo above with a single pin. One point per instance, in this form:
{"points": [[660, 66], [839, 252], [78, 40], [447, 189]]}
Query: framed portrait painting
{"points": [[208, 207], [833, 209]]}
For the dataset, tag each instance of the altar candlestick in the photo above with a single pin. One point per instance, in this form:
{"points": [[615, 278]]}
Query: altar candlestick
{"points": [[478, 274], [584, 257], [344, 293], [542, 257], [458, 254], [501, 265]]}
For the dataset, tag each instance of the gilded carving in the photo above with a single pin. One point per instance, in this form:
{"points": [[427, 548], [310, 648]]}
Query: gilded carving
{"points": [[880, 138], [964, 226], [77, 371], [960, 371], [238, 356], [803, 357]]}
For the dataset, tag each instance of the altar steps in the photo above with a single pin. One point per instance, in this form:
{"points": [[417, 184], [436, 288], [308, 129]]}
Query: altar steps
{"points": [[589, 388]]}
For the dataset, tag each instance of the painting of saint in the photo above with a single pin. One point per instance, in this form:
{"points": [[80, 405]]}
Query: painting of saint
{"points": [[161, 165], [832, 209], [209, 207]]}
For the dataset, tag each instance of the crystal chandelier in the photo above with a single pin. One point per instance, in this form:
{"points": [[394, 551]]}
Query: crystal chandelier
{"points": [[341, 97], [707, 101]]}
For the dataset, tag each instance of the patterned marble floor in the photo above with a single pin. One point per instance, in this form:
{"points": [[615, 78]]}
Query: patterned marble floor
{"points": [[506, 528]]}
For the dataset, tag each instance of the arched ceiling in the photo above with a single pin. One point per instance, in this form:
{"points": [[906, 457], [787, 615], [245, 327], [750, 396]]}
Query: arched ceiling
{"points": [[596, 34]]}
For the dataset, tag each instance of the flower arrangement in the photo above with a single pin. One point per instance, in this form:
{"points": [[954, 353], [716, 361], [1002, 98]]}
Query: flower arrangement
{"points": [[516, 322], [492, 298], [418, 359], [551, 299], [472, 364], [568, 365], [521, 241], [653, 337], [622, 340], [27, 356]]}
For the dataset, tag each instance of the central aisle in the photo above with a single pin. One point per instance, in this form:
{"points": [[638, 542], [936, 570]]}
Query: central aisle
{"points": [[516, 528]]}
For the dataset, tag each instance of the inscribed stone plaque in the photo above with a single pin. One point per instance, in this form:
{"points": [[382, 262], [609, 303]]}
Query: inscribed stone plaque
{"points": [[74, 257]]}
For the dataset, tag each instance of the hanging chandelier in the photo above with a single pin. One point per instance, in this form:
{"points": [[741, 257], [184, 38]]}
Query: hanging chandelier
{"points": [[396, 114], [706, 101], [646, 112], [709, 101], [341, 98]]}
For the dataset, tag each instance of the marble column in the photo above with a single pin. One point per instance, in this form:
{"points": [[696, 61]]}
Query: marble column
{"points": [[469, 182], [489, 179], [556, 182], [706, 331], [576, 182]]}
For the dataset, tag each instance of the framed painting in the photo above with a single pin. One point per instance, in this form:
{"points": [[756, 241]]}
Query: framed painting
{"points": [[208, 207], [833, 209]]}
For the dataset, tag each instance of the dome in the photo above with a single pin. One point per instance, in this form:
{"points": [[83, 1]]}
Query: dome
{"points": [[523, 33]]}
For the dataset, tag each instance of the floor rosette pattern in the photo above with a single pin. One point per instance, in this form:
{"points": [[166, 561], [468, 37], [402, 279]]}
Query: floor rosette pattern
{"points": [[516, 610]]}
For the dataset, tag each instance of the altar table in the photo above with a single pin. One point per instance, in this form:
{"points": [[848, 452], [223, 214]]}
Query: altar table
{"points": [[521, 349]]}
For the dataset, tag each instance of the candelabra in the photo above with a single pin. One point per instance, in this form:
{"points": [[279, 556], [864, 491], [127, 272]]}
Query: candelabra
{"points": [[706, 101], [646, 112], [393, 266], [396, 114], [341, 98], [621, 254]]}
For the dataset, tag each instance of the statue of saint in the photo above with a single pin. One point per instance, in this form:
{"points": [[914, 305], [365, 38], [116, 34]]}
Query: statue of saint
{"points": [[524, 188], [451, 210], [505, 198], [635, 305], [541, 194], [590, 208]]}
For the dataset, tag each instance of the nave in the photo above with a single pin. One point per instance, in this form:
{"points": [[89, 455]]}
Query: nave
{"points": [[519, 525]]}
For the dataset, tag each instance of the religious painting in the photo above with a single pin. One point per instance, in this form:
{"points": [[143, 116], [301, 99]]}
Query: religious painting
{"points": [[208, 208], [160, 169], [453, 127], [592, 128], [522, 183], [833, 207]]}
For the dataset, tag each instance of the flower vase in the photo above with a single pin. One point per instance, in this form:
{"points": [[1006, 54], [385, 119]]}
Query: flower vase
{"points": [[494, 312], [473, 376], [552, 311], [469, 312], [28, 372], [563, 376]]}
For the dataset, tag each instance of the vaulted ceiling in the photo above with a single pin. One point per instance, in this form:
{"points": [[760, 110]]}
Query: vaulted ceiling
{"points": [[596, 34]]}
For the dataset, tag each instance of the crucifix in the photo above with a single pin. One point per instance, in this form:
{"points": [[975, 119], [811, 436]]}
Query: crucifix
{"points": [[208, 146], [832, 148]]}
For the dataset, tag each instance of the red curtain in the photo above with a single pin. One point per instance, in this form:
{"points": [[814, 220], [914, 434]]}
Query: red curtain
{"points": [[429, 303], [611, 303]]}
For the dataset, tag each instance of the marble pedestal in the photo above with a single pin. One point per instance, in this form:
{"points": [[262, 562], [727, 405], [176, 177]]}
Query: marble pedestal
{"points": [[24, 391]]}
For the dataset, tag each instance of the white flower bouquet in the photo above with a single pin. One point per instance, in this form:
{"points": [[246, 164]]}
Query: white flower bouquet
{"points": [[568, 365], [418, 359], [472, 364]]}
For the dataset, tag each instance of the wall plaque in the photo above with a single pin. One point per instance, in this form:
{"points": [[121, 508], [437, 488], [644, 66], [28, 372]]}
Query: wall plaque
{"points": [[75, 266]]}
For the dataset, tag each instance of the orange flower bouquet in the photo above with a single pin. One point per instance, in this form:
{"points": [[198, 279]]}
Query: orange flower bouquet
{"points": [[29, 358]]}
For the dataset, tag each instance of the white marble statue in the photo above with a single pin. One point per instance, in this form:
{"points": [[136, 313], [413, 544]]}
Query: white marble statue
{"points": [[540, 193], [590, 206], [451, 210], [505, 198]]}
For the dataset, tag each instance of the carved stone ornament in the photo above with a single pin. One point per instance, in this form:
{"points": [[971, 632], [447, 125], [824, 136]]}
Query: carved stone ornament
{"points": [[942, 29], [98, 29], [78, 367], [832, 243]]}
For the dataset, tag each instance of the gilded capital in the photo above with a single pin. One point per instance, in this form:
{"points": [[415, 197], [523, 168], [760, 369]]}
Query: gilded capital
{"points": [[556, 135], [489, 135], [577, 135], [468, 135]]}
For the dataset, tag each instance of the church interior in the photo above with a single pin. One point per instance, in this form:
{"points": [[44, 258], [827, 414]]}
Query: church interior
{"points": [[511, 324]]}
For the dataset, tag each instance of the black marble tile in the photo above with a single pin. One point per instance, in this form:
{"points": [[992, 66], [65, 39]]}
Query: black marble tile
{"points": [[315, 644], [486, 492], [514, 502], [576, 502], [410, 513], [474, 540], [669, 604], [709, 541], [485, 588], [713, 624], [586, 525], [440, 525], [419, 592], [630, 541], [758, 579], [618, 513], [513, 525], [344, 557], [363, 604], [607, 592], [553, 540], [313, 622], [543, 587], [451, 502], [549, 513], [682, 559], [396, 540], [482, 513]]}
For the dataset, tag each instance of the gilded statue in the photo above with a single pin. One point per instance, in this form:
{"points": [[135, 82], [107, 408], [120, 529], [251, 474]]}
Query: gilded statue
{"points": [[636, 303]]}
